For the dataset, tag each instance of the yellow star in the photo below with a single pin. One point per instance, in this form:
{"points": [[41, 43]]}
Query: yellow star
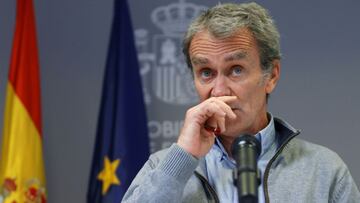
{"points": [[108, 174]]}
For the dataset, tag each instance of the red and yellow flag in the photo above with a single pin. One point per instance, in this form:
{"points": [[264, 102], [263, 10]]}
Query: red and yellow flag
{"points": [[22, 175]]}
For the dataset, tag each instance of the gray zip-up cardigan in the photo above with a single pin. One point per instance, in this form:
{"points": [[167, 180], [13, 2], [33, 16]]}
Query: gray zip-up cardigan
{"points": [[299, 172]]}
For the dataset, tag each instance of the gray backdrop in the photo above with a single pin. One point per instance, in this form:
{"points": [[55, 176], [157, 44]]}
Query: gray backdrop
{"points": [[318, 91]]}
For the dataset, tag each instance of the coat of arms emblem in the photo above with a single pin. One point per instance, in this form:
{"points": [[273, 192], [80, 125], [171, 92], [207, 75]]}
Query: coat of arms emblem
{"points": [[163, 69]]}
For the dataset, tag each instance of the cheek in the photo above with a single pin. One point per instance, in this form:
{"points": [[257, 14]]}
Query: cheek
{"points": [[202, 90], [250, 96], [258, 99]]}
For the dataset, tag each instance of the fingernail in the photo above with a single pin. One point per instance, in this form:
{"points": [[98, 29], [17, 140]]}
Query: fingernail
{"points": [[217, 130]]}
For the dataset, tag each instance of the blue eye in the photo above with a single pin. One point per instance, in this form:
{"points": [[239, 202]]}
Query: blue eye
{"points": [[236, 70], [206, 73]]}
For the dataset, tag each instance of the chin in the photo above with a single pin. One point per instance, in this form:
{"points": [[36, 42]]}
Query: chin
{"points": [[236, 127], [233, 130]]}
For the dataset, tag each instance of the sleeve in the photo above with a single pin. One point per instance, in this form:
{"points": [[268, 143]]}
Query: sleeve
{"points": [[346, 190], [162, 180]]}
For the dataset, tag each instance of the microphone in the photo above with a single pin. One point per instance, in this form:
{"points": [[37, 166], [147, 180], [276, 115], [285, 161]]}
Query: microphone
{"points": [[245, 150]]}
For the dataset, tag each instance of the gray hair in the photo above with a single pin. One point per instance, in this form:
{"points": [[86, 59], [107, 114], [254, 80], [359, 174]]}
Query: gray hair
{"points": [[224, 20]]}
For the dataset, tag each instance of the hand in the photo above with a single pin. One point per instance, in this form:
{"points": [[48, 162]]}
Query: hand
{"points": [[194, 138]]}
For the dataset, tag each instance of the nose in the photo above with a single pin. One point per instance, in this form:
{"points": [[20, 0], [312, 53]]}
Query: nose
{"points": [[220, 87]]}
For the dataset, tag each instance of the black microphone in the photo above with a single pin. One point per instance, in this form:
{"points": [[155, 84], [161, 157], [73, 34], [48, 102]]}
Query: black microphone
{"points": [[245, 150]]}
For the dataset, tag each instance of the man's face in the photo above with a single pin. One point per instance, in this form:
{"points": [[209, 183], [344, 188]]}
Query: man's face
{"points": [[231, 67]]}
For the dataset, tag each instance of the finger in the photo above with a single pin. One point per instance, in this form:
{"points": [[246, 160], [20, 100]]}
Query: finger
{"points": [[208, 133], [213, 112], [211, 124], [216, 120], [220, 125], [227, 99], [224, 106]]}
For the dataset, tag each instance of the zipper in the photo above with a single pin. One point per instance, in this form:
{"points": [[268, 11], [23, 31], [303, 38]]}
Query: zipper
{"points": [[267, 170], [208, 187]]}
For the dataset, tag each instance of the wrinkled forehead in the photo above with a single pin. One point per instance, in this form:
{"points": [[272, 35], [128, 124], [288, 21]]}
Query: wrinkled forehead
{"points": [[204, 41]]}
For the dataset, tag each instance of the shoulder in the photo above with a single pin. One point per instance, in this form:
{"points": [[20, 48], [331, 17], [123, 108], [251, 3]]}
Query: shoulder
{"points": [[327, 167], [298, 148], [314, 158]]}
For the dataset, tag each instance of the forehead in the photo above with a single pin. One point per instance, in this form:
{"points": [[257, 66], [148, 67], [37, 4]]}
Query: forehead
{"points": [[204, 43]]}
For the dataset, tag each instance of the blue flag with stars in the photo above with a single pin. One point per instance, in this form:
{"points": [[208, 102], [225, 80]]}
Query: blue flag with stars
{"points": [[122, 143]]}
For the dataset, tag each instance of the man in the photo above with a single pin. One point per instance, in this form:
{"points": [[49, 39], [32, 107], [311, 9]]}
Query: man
{"points": [[233, 52]]}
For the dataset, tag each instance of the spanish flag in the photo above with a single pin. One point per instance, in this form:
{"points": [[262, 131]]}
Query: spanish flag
{"points": [[22, 175]]}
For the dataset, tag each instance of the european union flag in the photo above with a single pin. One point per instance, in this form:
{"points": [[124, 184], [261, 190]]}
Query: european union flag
{"points": [[122, 144]]}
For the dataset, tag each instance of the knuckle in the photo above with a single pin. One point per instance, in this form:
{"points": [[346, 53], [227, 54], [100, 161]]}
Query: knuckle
{"points": [[212, 99], [189, 111]]}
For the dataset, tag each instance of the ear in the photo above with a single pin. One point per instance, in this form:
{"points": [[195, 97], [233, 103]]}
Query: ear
{"points": [[273, 77]]}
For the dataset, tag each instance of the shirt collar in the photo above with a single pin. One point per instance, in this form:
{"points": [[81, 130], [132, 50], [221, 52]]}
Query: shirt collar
{"points": [[265, 136]]}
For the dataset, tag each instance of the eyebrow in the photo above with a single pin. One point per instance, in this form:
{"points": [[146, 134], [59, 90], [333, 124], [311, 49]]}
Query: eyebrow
{"points": [[199, 61], [236, 56]]}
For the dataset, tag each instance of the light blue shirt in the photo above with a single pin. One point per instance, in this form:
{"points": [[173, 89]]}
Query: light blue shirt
{"points": [[220, 166]]}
